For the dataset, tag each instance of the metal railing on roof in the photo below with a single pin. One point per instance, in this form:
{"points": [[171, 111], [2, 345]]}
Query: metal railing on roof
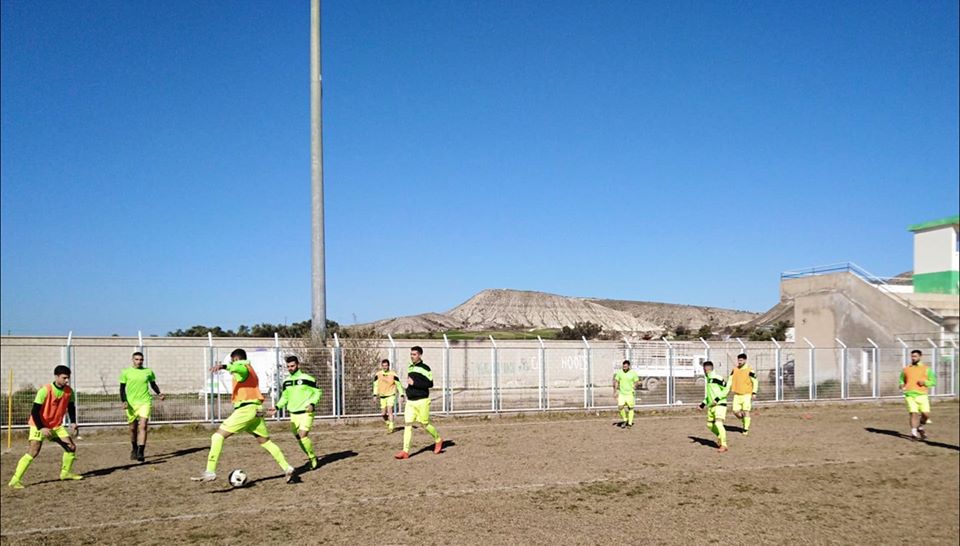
{"points": [[882, 283]]}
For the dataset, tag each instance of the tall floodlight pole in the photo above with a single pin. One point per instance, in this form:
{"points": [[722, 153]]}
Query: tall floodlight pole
{"points": [[319, 274]]}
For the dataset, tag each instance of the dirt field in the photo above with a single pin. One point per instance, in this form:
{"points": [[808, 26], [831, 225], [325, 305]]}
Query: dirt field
{"points": [[817, 475]]}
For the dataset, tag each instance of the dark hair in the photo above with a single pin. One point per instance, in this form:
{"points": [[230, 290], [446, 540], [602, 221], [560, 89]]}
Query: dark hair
{"points": [[417, 349], [138, 353], [292, 358], [239, 353], [742, 355], [385, 361], [916, 352], [61, 370], [707, 363], [627, 362]]}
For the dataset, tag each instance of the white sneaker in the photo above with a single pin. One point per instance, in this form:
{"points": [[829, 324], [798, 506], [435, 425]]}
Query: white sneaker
{"points": [[207, 476], [289, 474]]}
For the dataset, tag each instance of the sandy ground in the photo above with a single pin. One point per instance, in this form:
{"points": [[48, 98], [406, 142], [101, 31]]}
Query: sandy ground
{"points": [[819, 475]]}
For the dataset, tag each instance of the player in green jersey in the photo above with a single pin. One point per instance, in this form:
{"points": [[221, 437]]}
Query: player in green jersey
{"points": [[715, 401], [625, 383], [300, 397], [135, 384]]}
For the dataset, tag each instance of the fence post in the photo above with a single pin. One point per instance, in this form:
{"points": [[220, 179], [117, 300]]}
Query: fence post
{"points": [[669, 371], [275, 388], [494, 377], [445, 386], [777, 380], [934, 362], [629, 349], [903, 353], [706, 350], [542, 376], [393, 353], [337, 378], [66, 358], [587, 386], [875, 369], [208, 373], [843, 368], [140, 341], [813, 367], [953, 368]]}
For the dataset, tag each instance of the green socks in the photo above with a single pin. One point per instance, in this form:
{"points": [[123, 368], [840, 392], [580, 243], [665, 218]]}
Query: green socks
{"points": [[630, 416], [721, 433], [623, 415], [216, 446], [407, 437], [433, 432], [67, 465], [307, 446], [274, 450], [22, 467], [390, 426], [746, 423]]}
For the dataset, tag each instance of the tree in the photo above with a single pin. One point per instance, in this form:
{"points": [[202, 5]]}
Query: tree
{"points": [[580, 330], [705, 331]]}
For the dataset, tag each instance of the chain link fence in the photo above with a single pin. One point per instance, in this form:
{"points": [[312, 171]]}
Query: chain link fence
{"points": [[468, 376]]}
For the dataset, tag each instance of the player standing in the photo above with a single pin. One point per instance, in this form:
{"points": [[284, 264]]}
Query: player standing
{"points": [[300, 396], [137, 402], [915, 380], [715, 400], [625, 383], [53, 401], [743, 383], [417, 409], [247, 416], [386, 386]]}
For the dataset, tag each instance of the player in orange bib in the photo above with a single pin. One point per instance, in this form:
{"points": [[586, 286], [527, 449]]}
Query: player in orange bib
{"points": [[52, 403], [915, 380]]}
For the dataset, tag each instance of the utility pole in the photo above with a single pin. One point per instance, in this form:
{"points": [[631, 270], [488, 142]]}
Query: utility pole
{"points": [[319, 273]]}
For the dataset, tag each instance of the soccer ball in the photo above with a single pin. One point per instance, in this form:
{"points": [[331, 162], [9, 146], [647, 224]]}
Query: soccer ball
{"points": [[237, 478]]}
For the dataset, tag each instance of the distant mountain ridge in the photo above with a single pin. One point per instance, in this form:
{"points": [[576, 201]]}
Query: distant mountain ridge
{"points": [[495, 309]]}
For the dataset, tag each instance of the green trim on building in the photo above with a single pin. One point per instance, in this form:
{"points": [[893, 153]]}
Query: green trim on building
{"points": [[942, 282], [950, 220]]}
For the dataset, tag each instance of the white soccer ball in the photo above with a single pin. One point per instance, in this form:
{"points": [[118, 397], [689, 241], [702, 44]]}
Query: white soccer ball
{"points": [[237, 478]]}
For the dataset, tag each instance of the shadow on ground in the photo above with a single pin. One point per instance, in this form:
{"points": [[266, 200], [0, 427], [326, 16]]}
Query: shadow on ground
{"points": [[896, 434], [703, 441], [446, 444]]}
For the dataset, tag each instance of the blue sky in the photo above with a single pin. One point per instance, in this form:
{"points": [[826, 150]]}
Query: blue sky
{"points": [[155, 161]]}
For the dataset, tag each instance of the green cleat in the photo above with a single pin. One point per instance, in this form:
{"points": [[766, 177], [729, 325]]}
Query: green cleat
{"points": [[70, 476], [15, 484], [313, 463]]}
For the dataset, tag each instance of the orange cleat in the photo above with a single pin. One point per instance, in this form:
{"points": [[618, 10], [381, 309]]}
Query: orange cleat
{"points": [[402, 455], [722, 449], [438, 447]]}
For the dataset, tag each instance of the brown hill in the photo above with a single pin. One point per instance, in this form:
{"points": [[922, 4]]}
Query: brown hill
{"points": [[520, 309]]}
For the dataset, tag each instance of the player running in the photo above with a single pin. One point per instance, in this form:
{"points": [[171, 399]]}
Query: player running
{"points": [[247, 416], [300, 396], [137, 402], [625, 383], [715, 400], [915, 380], [743, 383], [53, 401], [386, 386], [417, 409]]}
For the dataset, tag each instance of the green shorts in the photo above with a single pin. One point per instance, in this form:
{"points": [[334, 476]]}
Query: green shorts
{"points": [[387, 401], [301, 422], [628, 400], [918, 404], [716, 413], [417, 411], [247, 418], [742, 402], [140, 412], [58, 432]]}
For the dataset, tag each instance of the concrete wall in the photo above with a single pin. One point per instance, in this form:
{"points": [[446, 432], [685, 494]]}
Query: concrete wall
{"points": [[935, 250], [841, 305]]}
